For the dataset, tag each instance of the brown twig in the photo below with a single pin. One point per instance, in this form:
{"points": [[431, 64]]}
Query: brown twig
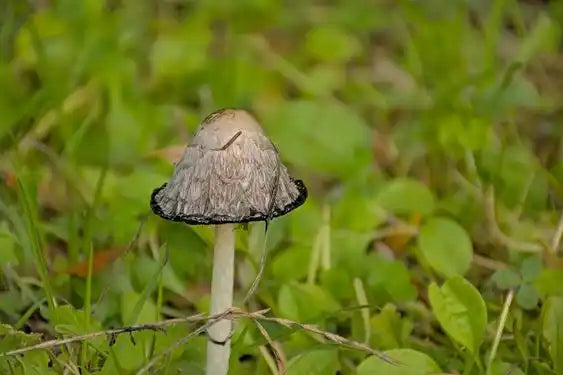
{"points": [[231, 314], [328, 336], [158, 326], [279, 361], [212, 320]]}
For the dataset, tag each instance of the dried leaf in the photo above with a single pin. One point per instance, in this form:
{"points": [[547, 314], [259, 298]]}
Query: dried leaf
{"points": [[399, 240], [102, 259]]}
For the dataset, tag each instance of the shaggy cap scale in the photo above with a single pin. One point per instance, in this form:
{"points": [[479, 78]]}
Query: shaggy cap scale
{"points": [[230, 173]]}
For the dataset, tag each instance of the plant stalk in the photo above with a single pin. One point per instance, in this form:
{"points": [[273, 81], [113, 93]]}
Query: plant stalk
{"points": [[219, 344]]}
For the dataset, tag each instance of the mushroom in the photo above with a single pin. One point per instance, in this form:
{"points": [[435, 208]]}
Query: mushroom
{"points": [[230, 173]]}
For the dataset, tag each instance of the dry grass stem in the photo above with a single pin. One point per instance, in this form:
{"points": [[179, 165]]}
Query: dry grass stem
{"points": [[231, 314]]}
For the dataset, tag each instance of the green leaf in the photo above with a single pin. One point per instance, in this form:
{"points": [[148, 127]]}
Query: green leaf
{"points": [[327, 43], [461, 311], [326, 137], [527, 297], [553, 330], [129, 351], [187, 251], [388, 279], [549, 282], [325, 78], [287, 303], [315, 362], [130, 312], [410, 362], [66, 319], [304, 221], [303, 302], [136, 186], [292, 263], [512, 169], [458, 134], [173, 334], [357, 211], [503, 368], [11, 339], [388, 329], [405, 196], [143, 266], [531, 268], [506, 278], [338, 281], [124, 133], [36, 363], [446, 246], [178, 51]]}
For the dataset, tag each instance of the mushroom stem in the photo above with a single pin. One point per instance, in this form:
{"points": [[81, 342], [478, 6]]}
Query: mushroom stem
{"points": [[219, 344]]}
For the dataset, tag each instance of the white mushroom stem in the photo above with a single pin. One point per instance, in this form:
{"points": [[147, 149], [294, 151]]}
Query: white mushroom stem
{"points": [[221, 299]]}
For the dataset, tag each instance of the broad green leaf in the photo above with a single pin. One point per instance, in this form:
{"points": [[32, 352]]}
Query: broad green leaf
{"points": [[124, 132], [513, 170], [553, 330], [338, 281], [50, 28], [36, 363], [165, 340], [388, 329], [405, 196], [409, 362], [292, 263], [503, 368], [388, 280], [288, 305], [357, 211], [66, 319], [331, 44], [446, 246], [461, 311], [506, 278], [130, 350], [11, 339], [187, 251], [237, 79], [144, 266], [531, 268], [527, 297], [316, 362], [129, 303], [178, 51], [549, 282], [305, 221], [137, 186], [329, 138], [302, 302]]}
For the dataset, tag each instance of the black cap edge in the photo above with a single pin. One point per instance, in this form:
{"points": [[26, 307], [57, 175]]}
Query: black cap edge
{"points": [[206, 220]]}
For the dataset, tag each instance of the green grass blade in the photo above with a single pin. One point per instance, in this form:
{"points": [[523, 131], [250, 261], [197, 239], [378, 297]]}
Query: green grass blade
{"points": [[32, 223]]}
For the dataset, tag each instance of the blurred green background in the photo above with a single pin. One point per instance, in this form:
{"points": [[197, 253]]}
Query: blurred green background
{"points": [[428, 132]]}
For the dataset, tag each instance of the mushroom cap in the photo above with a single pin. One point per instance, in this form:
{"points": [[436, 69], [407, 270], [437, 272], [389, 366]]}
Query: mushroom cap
{"points": [[229, 173]]}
